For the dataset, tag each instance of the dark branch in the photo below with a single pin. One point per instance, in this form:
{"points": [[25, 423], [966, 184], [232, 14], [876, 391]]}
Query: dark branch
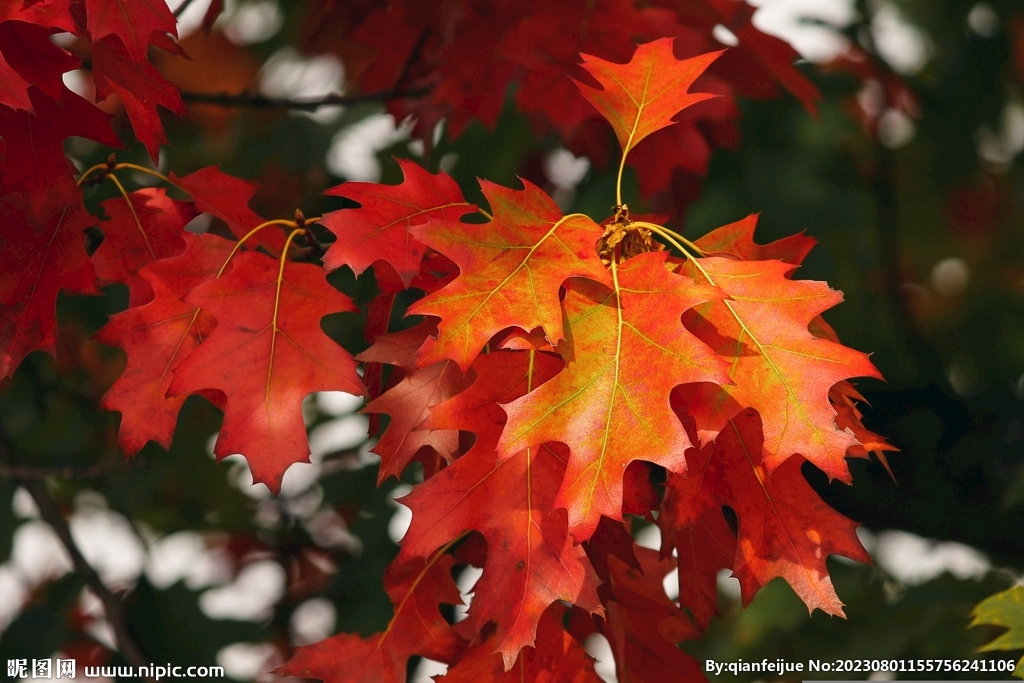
{"points": [[51, 514], [67, 472], [112, 605], [181, 8], [255, 100]]}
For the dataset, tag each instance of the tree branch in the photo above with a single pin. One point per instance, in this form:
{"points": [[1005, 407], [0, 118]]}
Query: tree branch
{"points": [[257, 101], [51, 514], [112, 605], [29, 472], [181, 8]]}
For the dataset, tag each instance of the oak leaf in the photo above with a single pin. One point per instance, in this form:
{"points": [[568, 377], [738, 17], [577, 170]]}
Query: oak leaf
{"points": [[784, 528], [379, 228], [510, 271], [556, 657], [133, 21], [36, 263], [142, 228], [625, 350], [1006, 610], [157, 337], [417, 628], [776, 365], [642, 96], [267, 353]]}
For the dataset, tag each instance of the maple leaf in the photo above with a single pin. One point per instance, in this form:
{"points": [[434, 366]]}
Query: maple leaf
{"points": [[157, 337], [510, 271], [778, 367], [379, 228], [133, 21], [36, 263], [644, 626], [1005, 609], [642, 96], [227, 198], [266, 354], [556, 657], [146, 226], [417, 628], [409, 401], [784, 528], [607, 405], [140, 87]]}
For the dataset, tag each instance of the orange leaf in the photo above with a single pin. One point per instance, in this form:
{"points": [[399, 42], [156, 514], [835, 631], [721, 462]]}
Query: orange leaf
{"points": [[510, 271], [267, 353], [642, 96], [626, 349]]}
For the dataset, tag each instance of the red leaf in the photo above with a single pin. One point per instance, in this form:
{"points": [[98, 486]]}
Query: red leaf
{"points": [[417, 628], [644, 626], [227, 198], [556, 657], [157, 337], [267, 353], [29, 57], [778, 367], [642, 96], [133, 21], [140, 87], [147, 226], [379, 228], [510, 271], [36, 262], [785, 529], [737, 239], [607, 405], [34, 162]]}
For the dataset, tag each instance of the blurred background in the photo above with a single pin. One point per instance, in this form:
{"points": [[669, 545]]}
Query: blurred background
{"points": [[909, 176]]}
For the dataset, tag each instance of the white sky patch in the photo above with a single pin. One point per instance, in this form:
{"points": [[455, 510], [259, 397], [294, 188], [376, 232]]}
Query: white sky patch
{"points": [[337, 403], [402, 518], [353, 151], [598, 647], [815, 43], [313, 620], [290, 75], [252, 22], [912, 559], [250, 597], [185, 556], [904, 46], [245, 661]]}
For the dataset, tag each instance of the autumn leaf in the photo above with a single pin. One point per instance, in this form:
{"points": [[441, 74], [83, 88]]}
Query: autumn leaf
{"points": [[140, 87], [776, 365], [737, 239], [28, 57], [644, 626], [266, 354], [379, 229], [556, 657], [133, 21], [157, 337], [227, 198], [417, 628], [642, 96], [510, 271], [34, 164], [784, 528], [409, 401], [142, 228], [625, 350], [36, 263]]}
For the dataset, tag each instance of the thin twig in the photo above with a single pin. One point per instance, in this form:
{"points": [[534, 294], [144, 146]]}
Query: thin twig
{"points": [[112, 604], [181, 8], [66, 472], [257, 101]]}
